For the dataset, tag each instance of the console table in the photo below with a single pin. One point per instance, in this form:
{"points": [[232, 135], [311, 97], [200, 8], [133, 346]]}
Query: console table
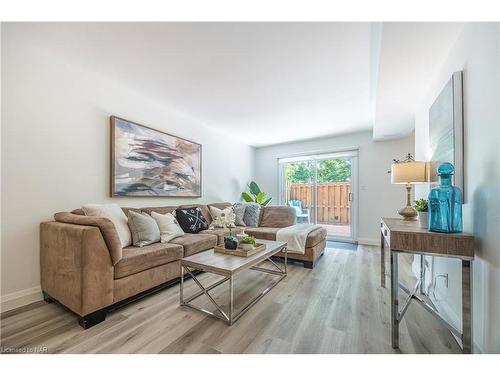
{"points": [[408, 237]]}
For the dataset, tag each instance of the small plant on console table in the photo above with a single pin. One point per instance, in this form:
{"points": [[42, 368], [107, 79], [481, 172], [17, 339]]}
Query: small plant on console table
{"points": [[422, 206]]}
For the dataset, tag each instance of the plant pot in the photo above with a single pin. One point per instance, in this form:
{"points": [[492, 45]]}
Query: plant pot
{"points": [[230, 243], [423, 219], [247, 246]]}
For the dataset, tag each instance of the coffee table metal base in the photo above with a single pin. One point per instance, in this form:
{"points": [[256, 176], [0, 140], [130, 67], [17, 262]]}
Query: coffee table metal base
{"points": [[228, 316]]}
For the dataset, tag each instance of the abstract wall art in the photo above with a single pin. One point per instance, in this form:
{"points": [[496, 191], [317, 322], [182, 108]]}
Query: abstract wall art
{"points": [[149, 163]]}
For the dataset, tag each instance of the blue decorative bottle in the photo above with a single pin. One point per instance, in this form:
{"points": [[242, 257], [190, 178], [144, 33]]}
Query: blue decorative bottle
{"points": [[445, 203]]}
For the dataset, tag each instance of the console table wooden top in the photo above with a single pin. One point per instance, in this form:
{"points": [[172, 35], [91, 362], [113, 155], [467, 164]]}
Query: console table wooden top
{"points": [[408, 236]]}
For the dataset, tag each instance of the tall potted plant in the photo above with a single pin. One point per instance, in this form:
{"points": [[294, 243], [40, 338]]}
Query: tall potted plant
{"points": [[256, 195], [421, 205]]}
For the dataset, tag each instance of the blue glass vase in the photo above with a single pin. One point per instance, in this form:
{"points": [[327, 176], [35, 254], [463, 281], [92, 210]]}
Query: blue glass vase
{"points": [[445, 203]]}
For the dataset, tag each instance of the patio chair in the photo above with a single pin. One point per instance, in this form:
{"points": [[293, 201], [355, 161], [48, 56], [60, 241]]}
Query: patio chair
{"points": [[302, 214]]}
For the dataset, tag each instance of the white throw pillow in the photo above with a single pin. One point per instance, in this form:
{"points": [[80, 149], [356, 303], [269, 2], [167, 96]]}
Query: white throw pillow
{"points": [[217, 212], [114, 213], [169, 227]]}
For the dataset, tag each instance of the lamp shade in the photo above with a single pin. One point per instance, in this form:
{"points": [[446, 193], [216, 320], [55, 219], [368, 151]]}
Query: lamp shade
{"points": [[409, 172]]}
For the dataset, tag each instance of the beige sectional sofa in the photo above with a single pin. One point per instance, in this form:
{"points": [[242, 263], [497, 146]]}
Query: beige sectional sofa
{"points": [[85, 269]]}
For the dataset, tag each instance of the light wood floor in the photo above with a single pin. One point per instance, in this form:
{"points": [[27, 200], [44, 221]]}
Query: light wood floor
{"points": [[338, 307]]}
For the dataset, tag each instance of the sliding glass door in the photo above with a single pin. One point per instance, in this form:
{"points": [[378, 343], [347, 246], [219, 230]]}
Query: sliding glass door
{"points": [[321, 188]]}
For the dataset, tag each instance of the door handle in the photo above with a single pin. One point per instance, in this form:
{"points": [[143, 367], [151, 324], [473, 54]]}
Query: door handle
{"points": [[351, 197]]}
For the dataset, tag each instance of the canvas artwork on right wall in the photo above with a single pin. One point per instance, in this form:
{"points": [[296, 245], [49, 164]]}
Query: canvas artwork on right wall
{"points": [[446, 130]]}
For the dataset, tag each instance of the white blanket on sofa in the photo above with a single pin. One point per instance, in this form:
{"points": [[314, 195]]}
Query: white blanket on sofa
{"points": [[295, 236]]}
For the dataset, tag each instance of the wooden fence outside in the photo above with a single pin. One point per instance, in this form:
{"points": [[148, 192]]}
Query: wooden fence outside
{"points": [[333, 201]]}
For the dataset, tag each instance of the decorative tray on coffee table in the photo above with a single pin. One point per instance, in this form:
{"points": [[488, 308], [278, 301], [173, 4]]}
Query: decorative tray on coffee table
{"points": [[240, 252]]}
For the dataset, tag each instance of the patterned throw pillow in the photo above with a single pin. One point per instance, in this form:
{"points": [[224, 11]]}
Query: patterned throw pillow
{"points": [[252, 213], [239, 212], [216, 212], [191, 219]]}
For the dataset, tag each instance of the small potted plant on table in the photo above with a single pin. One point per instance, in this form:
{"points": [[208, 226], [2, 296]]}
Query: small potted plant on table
{"points": [[421, 205], [247, 243]]}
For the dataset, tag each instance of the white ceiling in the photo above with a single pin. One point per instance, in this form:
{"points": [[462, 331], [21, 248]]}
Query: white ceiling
{"points": [[265, 83]]}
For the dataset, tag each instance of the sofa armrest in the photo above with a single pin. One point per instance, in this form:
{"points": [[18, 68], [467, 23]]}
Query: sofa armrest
{"points": [[75, 266], [107, 228]]}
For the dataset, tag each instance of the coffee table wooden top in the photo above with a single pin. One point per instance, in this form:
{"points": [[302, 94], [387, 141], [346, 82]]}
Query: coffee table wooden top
{"points": [[229, 265]]}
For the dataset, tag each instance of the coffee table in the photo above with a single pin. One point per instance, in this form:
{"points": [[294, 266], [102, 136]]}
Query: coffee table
{"points": [[229, 266]]}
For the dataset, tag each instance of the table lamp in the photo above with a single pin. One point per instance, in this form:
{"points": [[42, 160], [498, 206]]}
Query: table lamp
{"points": [[409, 172]]}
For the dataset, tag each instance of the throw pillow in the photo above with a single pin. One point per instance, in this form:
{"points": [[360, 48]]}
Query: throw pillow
{"points": [[114, 213], [239, 212], [144, 229], [169, 227], [251, 215], [217, 212], [191, 219]]}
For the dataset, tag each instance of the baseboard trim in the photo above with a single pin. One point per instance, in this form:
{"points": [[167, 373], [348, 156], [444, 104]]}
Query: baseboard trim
{"points": [[20, 298], [368, 241]]}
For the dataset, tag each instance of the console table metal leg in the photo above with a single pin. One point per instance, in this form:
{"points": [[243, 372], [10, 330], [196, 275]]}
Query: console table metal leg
{"points": [[231, 299], [467, 306], [422, 274], [181, 294], [394, 300], [382, 261]]}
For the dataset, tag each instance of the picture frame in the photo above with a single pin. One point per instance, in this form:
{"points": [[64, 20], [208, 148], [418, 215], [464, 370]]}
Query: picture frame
{"points": [[147, 162]]}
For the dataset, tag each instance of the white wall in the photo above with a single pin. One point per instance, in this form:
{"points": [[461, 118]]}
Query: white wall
{"points": [[476, 52], [55, 151], [377, 197]]}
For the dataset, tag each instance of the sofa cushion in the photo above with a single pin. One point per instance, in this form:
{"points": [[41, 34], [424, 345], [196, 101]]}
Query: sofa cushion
{"points": [[136, 259], [204, 210], [262, 233], [194, 243], [144, 229], [266, 233], [221, 233], [79, 211], [191, 219], [126, 210], [277, 217], [161, 209]]}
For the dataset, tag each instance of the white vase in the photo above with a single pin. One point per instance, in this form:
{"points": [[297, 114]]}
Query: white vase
{"points": [[423, 218]]}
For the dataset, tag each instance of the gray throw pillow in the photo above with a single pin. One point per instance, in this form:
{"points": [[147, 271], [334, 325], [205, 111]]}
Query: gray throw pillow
{"points": [[144, 229], [239, 212], [252, 212]]}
